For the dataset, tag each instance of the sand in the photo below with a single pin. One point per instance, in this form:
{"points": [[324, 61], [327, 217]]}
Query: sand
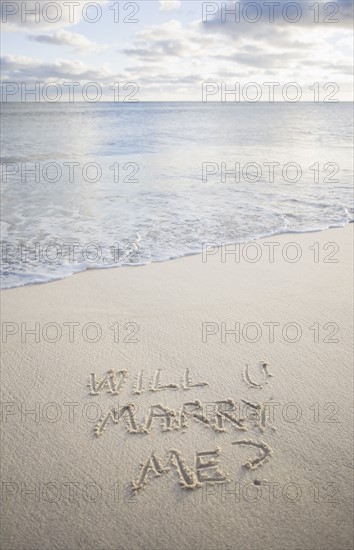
{"points": [[240, 441]]}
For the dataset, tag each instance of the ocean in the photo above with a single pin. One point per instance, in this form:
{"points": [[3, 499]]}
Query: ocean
{"points": [[109, 184]]}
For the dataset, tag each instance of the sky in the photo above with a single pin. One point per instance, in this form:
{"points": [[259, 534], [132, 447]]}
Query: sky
{"points": [[169, 48]]}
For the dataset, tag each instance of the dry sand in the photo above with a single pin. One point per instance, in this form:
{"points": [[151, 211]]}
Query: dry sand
{"points": [[289, 476]]}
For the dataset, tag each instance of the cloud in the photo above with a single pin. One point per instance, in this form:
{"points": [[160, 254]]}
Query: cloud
{"points": [[172, 56], [78, 42], [17, 68], [247, 52], [173, 42], [168, 40], [27, 15], [170, 5], [241, 17]]}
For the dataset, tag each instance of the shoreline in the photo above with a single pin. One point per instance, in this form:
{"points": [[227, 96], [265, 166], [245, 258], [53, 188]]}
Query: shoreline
{"points": [[187, 255]]}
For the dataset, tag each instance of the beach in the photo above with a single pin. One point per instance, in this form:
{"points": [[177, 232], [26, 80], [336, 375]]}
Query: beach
{"points": [[176, 282], [203, 402]]}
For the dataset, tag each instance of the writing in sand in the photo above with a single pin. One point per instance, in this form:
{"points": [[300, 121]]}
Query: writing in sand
{"points": [[221, 415]]}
